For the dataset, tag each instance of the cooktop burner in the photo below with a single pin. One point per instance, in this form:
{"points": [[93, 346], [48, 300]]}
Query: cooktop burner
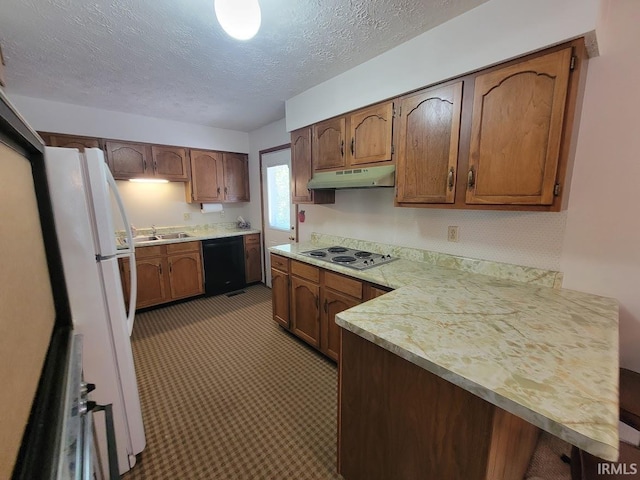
{"points": [[349, 257], [343, 259]]}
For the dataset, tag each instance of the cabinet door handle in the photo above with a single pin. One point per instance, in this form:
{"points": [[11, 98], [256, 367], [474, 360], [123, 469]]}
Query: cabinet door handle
{"points": [[326, 303], [155, 166], [450, 179], [471, 181], [353, 146], [160, 269], [218, 190], [170, 267], [225, 190], [318, 303], [342, 148], [144, 165]]}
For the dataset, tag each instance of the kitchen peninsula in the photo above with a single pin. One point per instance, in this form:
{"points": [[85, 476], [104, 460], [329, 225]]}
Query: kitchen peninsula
{"points": [[452, 373]]}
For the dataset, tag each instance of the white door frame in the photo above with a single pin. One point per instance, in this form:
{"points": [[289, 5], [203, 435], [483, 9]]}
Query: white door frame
{"points": [[265, 253]]}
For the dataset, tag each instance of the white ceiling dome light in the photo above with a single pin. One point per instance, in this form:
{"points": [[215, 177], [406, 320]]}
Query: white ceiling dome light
{"points": [[239, 18]]}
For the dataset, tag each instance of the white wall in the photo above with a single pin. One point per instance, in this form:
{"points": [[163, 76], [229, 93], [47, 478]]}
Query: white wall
{"points": [[490, 33], [164, 205], [601, 252], [48, 116]]}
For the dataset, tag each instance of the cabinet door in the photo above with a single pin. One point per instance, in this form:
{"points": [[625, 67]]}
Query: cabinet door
{"points": [[328, 144], [252, 258], [333, 303], [129, 160], [371, 135], [68, 141], [206, 177], [170, 163], [428, 133], [151, 282], [185, 275], [280, 297], [125, 278], [301, 165], [301, 171], [518, 112], [236, 177], [305, 310]]}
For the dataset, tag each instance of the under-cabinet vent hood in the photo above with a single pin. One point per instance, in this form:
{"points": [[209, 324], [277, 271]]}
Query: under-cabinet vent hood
{"points": [[356, 178]]}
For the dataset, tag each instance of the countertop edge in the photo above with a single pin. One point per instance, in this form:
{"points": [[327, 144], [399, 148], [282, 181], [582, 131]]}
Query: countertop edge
{"points": [[197, 237]]}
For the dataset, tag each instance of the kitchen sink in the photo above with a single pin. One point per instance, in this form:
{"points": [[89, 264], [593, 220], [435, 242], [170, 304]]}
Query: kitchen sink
{"points": [[142, 238], [169, 236]]}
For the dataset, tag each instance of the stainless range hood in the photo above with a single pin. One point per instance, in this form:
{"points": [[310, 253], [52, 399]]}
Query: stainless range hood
{"points": [[356, 178]]}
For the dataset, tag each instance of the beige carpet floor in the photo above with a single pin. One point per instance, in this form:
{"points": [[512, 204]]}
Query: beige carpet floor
{"points": [[227, 394]]}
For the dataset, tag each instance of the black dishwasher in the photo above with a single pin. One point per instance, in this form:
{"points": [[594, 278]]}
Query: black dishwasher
{"points": [[223, 265]]}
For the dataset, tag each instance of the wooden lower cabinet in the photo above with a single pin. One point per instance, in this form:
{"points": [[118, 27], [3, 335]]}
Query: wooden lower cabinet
{"points": [[333, 303], [185, 275], [165, 273], [398, 420], [305, 310], [252, 258], [306, 300], [151, 282]]}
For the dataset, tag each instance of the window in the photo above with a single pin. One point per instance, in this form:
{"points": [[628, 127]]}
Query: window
{"points": [[279, 197]]}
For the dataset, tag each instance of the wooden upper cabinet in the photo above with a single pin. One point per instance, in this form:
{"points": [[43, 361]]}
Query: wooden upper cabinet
{"points": [[70, 141], [516, 131], [235, 168], [206, 177], [302, 170], [371, 135], [170, 163], [328, 145], [427, 157], [129, 160]]}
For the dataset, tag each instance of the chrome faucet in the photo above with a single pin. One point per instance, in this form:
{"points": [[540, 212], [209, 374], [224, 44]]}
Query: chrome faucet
{"points": [[153, 230]]}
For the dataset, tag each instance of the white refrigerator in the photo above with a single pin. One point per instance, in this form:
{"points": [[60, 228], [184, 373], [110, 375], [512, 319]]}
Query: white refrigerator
{"points": [[81, 188]]}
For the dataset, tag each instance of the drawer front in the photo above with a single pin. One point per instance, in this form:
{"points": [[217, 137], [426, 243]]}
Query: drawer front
{"points": [[183, 247], [342, 284], [153, 251], [280, 263], [252, 239], [305, 271]]}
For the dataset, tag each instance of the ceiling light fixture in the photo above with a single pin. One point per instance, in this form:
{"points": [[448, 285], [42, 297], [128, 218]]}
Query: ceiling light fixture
{"points": [[239, 18]]}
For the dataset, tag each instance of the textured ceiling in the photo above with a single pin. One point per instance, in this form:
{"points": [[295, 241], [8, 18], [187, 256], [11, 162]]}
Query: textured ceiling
{"points": [[170, 59]]}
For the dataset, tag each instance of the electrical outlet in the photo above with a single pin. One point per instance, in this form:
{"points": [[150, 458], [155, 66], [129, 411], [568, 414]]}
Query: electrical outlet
{"points": [[222, 213], [452, 234], [187, 216]]}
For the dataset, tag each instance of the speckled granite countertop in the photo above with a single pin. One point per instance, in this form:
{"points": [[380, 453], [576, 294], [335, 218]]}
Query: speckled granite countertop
{"points": [[194, 235], [548, 355]]}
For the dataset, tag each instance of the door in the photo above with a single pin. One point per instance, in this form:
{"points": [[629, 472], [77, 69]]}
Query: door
{"points": [[170, 163], [280, 297], [328, 144], [185, 275], [333, 304], [278, 213], [301, 165], [429, 129], [151, 283], [371, 131], [516, 129], [206, 176], [305, 310], [236, 177], [129, 160]]}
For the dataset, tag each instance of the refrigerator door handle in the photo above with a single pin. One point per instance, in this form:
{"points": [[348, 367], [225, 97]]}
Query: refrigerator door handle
{"points": [[133, 274]]}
